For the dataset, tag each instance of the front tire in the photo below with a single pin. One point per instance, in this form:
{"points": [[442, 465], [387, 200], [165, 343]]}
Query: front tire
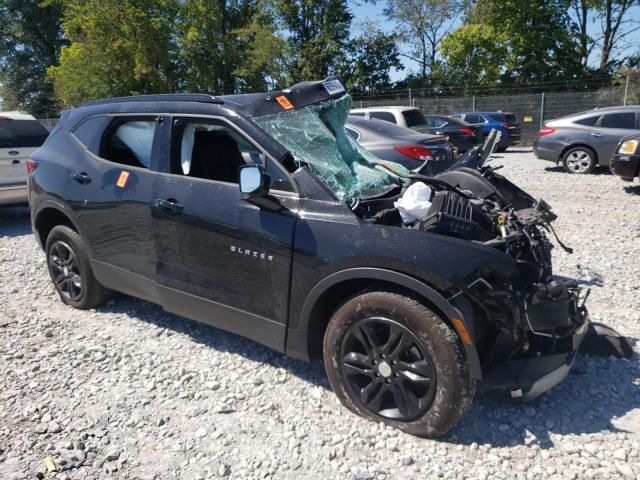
{"points": [[389, 358], [70, 270], [579, 160]]}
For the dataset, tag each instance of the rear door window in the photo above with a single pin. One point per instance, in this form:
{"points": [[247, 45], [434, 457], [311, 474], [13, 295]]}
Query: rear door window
{"points": [[21, 133], [386, 116], [624, 120], [413, 118], [129, 141], [473, 118]]}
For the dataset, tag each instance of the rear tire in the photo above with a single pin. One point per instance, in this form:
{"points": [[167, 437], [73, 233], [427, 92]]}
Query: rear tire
{"points": [[579, 160], [70, 270], [389, 358]]}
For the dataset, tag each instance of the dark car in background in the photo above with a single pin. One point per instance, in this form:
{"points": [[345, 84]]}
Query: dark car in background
{"points": [[506, 123], [418, 152], [462, 134], [585, 140], [626, 161]]}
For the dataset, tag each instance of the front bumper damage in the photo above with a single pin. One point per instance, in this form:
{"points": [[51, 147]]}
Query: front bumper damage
{"points": [[528, 378], [555, 329]]}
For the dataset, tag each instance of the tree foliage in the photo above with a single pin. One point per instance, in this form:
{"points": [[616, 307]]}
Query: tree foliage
{"points": [[318, 35], [30, 41], [120, 47], [533, 42], [116, 48], [423, 24], [475, 54], [370, 57]]}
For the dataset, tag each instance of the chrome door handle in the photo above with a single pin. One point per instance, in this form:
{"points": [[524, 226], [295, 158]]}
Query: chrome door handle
{"points": [[596, 135]]}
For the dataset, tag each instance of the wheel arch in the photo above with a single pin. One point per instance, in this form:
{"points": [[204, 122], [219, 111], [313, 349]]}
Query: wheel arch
{"points": [[579, 144], [331, 292], [48, 217]]}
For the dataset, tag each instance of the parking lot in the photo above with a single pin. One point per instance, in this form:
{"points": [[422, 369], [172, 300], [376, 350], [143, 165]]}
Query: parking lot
{"points": [[128, 391]]}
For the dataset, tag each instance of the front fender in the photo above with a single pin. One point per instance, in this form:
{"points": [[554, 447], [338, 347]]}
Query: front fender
{"points": [[298, 339]]}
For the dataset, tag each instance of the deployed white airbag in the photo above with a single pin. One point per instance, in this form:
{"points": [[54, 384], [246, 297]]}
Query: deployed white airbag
{"points": [[414, 203]]}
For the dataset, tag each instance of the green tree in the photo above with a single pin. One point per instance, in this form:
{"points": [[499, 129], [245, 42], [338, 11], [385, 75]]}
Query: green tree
{"points": [[611, 22], [423, 24], [537, 37], [30, 41], [264, 65], [318, 34], [117, 47], [370, 58], [474, 54], [227, 47]]}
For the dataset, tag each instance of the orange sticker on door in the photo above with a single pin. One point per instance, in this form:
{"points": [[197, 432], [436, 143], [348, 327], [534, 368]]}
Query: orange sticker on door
{"points": [[284, 102], [122, 179]]}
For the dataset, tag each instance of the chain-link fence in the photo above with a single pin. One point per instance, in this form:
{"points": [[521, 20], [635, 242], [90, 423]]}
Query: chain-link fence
{"points": [[531, 110]]}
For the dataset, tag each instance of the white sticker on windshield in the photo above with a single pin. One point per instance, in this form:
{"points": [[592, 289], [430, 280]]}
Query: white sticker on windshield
{"points": [[333, 86]]}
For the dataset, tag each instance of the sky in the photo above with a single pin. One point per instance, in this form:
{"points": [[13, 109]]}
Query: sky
{"points": [[374, 13]]}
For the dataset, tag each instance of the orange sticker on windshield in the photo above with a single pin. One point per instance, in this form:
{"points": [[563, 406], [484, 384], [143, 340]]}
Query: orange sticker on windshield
{"points": [[122, 179], [284, 102]]}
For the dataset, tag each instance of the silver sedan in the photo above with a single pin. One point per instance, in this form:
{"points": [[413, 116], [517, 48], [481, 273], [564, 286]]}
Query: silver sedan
{"points": [[587, 139]]}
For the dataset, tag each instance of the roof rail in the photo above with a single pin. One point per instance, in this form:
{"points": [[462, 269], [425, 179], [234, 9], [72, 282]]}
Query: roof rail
{"points": [[163, 97]]}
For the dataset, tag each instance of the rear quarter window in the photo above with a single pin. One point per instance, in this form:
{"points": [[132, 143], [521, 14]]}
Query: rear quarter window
{"points": [[21, 133], [588, 121], [386, 116], [90, 131], [413, 118]]}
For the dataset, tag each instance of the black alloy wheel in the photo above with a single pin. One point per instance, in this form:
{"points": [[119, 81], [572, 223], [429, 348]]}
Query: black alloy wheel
{"points": [[70, 269], [392, 359], [65, 271], [388, 370]]}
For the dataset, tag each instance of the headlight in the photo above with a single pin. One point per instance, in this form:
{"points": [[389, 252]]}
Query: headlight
{"points": [[628, 147]]}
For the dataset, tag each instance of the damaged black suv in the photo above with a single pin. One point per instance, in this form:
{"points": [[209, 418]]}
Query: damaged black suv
{"points": [[260, 215]]}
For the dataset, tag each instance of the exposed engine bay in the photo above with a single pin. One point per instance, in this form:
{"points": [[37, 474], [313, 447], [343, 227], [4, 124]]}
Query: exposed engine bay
{"points": [[518, 319]]}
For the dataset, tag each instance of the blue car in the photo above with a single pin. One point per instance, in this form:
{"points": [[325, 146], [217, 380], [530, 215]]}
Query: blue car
{"points": [[502, 121]]}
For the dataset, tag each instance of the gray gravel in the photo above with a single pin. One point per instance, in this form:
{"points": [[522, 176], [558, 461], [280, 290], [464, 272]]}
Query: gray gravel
{"points": [[128, 391]]}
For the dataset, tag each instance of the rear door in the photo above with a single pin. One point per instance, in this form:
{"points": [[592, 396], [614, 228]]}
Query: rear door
{"points": [[110, 186], [609, 130], [18, 140], [221, 259]]}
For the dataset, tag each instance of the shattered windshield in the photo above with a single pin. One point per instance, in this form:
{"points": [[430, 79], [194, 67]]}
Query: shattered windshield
{"points": [[316, 137]]}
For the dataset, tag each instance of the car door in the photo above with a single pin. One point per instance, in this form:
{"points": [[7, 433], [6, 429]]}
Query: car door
{"points": [[609, 130], [222, 260], [19, 138], [110, 185]]}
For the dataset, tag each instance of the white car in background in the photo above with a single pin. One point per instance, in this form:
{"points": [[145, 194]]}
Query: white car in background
{"points": [[20, 135]]}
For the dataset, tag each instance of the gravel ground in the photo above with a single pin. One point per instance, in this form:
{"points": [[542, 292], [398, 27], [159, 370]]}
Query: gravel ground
{"points": [[128, 391]]}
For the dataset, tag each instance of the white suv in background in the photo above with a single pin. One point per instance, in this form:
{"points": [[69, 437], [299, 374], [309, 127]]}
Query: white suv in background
{"points": [[20, 135], [408, 117]]}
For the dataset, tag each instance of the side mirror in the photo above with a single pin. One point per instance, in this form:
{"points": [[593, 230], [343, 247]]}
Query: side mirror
{"points": [[254, 181]]}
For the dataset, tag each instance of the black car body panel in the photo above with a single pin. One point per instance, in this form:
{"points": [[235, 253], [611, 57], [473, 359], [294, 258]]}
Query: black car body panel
{"points": [[626, 165], [274, 269]]}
